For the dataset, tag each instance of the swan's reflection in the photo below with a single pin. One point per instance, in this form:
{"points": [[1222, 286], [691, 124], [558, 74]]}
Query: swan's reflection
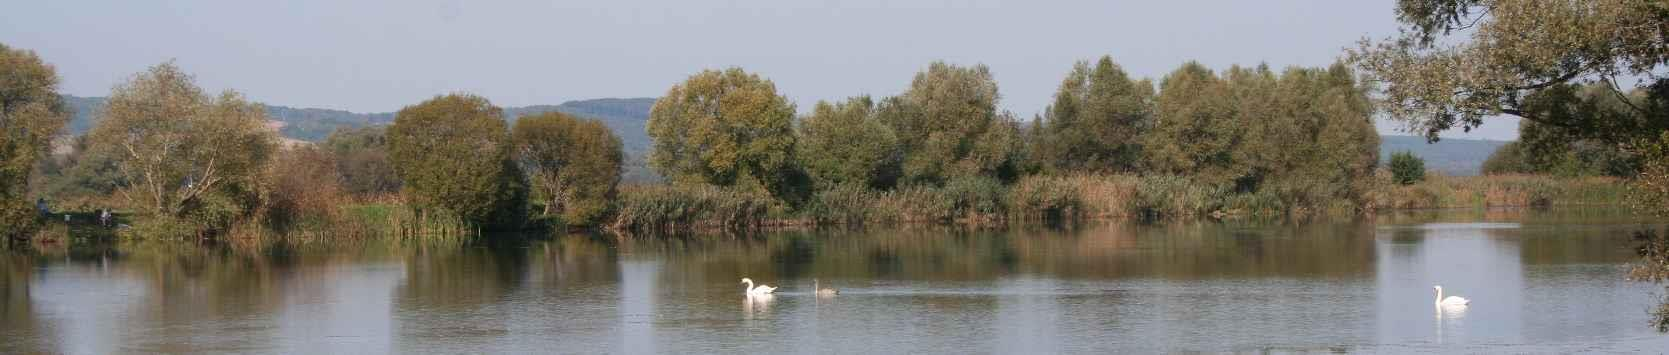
{"points": [[756, 304], [1451, 312]]}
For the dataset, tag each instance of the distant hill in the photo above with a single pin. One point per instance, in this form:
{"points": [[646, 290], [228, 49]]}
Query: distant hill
{"points": [[625, 116], [1456, 157]]}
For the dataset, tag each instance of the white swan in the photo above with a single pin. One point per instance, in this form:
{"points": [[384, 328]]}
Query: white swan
{"points": [[760, 290], [823, 291], [1451, 300]]}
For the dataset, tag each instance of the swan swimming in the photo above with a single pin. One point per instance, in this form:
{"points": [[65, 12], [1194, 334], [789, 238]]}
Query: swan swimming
{"points": [[760, 290], [1451, 300], [823, 291]]}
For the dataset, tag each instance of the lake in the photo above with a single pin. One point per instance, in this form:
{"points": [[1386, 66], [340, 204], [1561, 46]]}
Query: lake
{"points": [[1539, 281]]}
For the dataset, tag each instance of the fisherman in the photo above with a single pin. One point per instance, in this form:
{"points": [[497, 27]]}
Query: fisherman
{"points": [[40, 205]]}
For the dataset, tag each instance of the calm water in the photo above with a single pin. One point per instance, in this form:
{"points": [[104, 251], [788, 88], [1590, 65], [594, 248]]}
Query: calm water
{"points": [[1539, 281]]}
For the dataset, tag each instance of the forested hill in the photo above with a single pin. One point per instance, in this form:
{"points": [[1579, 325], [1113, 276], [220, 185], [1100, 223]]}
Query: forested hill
{"points": [[1456, 157], [625, 116]]}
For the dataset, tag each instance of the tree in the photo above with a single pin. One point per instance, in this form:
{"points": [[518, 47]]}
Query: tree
{"points": [[574, 164], [453, 153], [1315, 140], [1193, 134], [723, 128], [1508, 159], [1097, 120], [1516, 49], [1305, 135], [30, 116], [1407, 169], [844, 143], [182, 153], [948, 126], [1598, 147], [362, 160]]}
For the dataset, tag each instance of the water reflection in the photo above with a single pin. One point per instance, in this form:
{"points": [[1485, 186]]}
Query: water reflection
{"points": [[1540, 282]]}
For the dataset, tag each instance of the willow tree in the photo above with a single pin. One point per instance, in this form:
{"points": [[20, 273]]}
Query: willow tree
{"points": [[948, 126], [1513, 50], [722, 128], [845, 144], [573, 164], [31, 114], [452, 153], [182, 153], [1317, 138], [1097, 120], [1194, 133], [1305, 135]]}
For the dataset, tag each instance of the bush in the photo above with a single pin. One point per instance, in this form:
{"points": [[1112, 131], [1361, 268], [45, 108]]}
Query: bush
{"points": [[1170, 196], [844, 204], [691, 207], [1509, 159], [362, 158], [1406, 168], [1046, 198], [1649, 192], [977, 197], [302, 191]]}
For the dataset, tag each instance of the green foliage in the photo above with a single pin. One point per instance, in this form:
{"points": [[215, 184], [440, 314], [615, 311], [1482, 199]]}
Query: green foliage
{"points": [[1649, 191], [842, 204], [184, 155], [1173, 197], [722, 128], [1406, 168], [31, 114], [1305, 135], [573, 164], [1097, 120], [1515, 50], [689, 207], [453, 153], [1195, 134], [301, 191], [1509, 159], [948, 126], [844, 143], [361, 156], [1042, 198]]}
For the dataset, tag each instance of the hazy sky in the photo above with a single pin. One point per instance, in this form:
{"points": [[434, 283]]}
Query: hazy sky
{"points": [[377, 56]]}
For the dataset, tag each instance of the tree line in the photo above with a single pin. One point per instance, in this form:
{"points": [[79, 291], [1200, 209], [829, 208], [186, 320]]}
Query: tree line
{"points": [[1296, 138]]}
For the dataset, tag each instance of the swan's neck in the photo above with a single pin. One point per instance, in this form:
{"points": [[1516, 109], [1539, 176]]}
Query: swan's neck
{"points": [[1440, 295], [750, 285]]}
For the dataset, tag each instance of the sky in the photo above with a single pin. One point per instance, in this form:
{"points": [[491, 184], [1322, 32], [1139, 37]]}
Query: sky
{"points": [[381, 55]]}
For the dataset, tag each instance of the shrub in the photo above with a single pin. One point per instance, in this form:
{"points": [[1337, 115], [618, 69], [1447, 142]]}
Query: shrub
{"points": [[302, 191], [1047, 198], [1165, 196], [690, 207], [1406, 168], [1649, 192], [362, 158], [976, 197], [846, 204]]}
